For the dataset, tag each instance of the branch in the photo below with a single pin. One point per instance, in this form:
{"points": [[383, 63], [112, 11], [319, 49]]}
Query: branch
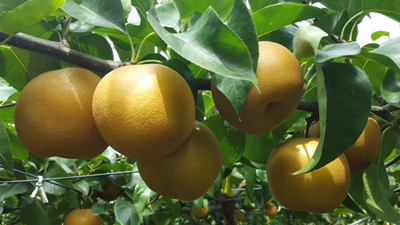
{"points": [[392, 161], [59, 51]]}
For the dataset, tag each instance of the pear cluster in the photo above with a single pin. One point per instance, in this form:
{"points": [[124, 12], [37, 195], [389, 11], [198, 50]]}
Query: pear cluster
{"points": [[146, 112]]}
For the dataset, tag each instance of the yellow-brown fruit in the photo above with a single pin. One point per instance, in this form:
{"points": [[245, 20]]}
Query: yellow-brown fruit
{"points": [[270, 209], [110, 191], [239, 215], [82, 217], [144, 111], [319, 191], [280, 82], [189, 171], [53, 115], [362, 153], [314, 131], [199, 211]]}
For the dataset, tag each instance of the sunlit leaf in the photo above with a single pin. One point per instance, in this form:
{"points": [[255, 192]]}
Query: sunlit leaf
{"points": [[306, 41], [20, 17], [337, 50], [277, 16], [97, 12], [6, 159], [126, 213]]}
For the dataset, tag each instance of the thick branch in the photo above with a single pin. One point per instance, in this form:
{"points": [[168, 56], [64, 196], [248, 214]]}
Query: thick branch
{"points": [[59, 51]]}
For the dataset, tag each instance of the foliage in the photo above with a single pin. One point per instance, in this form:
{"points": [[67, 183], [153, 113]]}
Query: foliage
{"points": [[204, 40]]}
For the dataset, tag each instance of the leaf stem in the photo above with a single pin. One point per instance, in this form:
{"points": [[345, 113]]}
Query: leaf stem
{"points": [[136, 60], [132, 47], [149, 61], [347, 23], [5, 41], [352, 29]]}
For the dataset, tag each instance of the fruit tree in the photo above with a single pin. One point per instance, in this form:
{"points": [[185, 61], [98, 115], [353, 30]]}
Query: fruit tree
{"points": [[198, 112]]}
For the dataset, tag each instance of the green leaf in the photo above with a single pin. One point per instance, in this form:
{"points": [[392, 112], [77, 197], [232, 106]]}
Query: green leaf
{"points": [[255, 5], [279, 132], [100, 207], [242, 24], [375, 72], [230, 140], [337, 50], [34, 214], [266, 191], [387, 54], [277, 16], [306, 41], [174, 205], [187, 8], [388, 142], [378, 34], [17, 149], [141, 194], [349, 203], [251, 177], [82, 186], [55, 170], [92, 44], [391, 88], [126, 213], [389, 8], [344, 101], [375, 198], [25, 15], [97, 12], [219, 49], [258, 147], [21, 66], [6, 159], [144, 5], [7, 190], [356, 190]]}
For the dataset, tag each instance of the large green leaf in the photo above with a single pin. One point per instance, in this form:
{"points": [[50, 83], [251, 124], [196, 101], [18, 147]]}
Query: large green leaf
{"points": [[97, 12], [242, 24], [344, 101], [7, 190], [210, 44], [374, 195], [258, 147], [6, 159], [387, 54], [19, 66], [141, 194], [55, 170], [144, 5], [17, 149], [391, 88], [126, 213], [251, 177], [187, 8], [337, 50], [390, 8], [277, 16], [16, 17], [375, 72], [92, 44], [34, 214], [230, 140]]}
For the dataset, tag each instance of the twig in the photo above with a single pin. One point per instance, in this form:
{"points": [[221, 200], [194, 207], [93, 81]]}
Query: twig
{"points": [[7, 105], [152, 201], [95, 167], [59, 51], [64, 30], [392, 161]]}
